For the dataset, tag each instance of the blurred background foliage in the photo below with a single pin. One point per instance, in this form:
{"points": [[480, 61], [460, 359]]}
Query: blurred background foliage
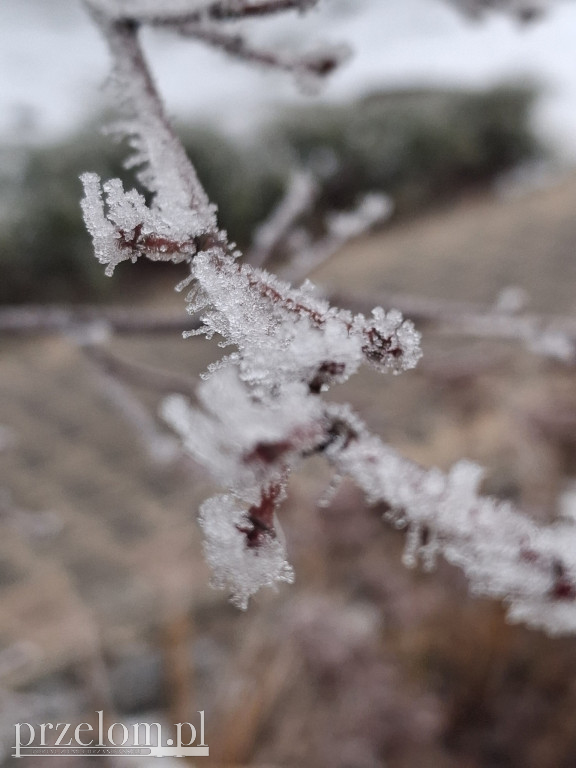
{"points": [[422, 147]]}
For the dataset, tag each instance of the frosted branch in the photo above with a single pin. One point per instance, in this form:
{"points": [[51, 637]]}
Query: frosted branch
{"points": [[121, 224], [176, 12], [240, 570], [502, 552], [310, 69], [261, 411], [281, 231]]}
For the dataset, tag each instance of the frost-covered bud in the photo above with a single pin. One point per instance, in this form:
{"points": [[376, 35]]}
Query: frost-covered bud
{"points": [[313, 68], [123, 227], [237, 567], [390, 342], [245, 442], [329, 372]]}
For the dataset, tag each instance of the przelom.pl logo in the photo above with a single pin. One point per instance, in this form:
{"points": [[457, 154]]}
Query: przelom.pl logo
{"points": [[103, 740]]}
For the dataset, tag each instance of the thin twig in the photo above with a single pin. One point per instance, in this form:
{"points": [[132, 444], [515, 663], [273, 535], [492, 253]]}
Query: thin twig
{"points": [[448, 317], [320, 63], [298, 198], [220, 10], [139, 375], [552, 336], [48, 319]]}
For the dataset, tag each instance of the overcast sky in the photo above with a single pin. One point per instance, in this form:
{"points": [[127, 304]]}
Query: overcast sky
{"points": [[52, 62]]}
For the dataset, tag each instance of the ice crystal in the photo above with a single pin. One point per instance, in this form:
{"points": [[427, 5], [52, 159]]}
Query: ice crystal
{"points": [[122, 225]]}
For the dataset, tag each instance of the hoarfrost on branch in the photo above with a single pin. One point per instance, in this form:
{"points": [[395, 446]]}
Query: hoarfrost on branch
{"points": [[260, 408]]}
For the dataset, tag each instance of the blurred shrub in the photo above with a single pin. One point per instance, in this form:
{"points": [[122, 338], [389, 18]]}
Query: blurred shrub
{"points": [[419, 146], [45, 252]]}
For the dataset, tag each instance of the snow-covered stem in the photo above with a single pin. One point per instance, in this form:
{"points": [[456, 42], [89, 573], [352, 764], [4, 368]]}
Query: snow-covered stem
{"points": [[171, 174], [283, 232], [503, 552]]}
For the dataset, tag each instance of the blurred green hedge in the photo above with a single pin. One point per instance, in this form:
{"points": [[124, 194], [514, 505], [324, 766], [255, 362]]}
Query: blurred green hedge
{"points": [[421, 147]]}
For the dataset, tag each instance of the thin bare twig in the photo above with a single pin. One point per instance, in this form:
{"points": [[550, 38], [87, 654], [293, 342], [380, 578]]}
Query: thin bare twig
{"points": [[447, 317], [139, 375], [161, 447], [219, 10], [48, 319], [551, 336], [341, 227], [298, 198], [318, 64]]}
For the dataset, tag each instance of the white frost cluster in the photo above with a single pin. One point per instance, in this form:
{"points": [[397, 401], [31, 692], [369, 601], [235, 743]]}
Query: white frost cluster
{"points": [[240, 440], [260, 411], [503, 553], [286, 335], [123, 227], [237, 569], [226, 434]]}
